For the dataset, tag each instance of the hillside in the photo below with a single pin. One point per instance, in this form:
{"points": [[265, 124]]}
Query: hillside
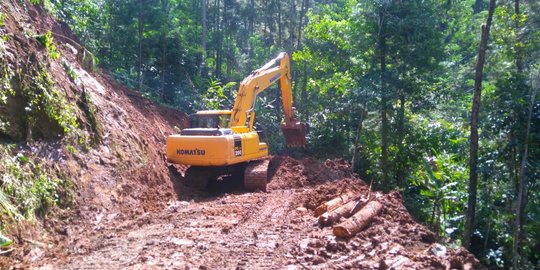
{"points": [[130, 209]]}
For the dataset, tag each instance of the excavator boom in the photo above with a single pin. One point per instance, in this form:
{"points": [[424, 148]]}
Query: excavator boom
{"points": [[261, 79]]}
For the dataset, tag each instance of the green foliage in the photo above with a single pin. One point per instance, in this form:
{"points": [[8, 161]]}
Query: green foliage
{"points": [[27, 190], [6, 74], [93, 119], [219, 97], [36, 2], [48, 41], [69, 70], [443, 183], [43, 99], [4, 241], [2, 18]]}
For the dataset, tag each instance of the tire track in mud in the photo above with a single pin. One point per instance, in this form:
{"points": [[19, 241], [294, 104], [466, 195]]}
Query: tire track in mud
{"points": [[269, 230], [259, 230]]}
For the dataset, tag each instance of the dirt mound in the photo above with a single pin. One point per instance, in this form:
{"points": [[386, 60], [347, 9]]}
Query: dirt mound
{"points": [[286, 172], [393, 240]]}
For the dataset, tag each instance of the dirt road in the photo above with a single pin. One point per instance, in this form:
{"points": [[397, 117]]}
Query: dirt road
{"points": [[237, 230]]}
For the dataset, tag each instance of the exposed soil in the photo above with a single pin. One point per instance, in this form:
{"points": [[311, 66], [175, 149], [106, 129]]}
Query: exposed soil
{"points": [[133, 210], [238, 230]]}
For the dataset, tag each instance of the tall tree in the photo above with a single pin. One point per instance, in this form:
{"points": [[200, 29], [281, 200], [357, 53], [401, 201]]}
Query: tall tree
{"points": [[473, 156], [140, 36], [384, 98], [219, 43], [204, 26], [522, 192]]}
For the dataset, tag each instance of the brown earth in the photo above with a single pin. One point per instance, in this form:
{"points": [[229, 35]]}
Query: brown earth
{"points": [[133, 210], [237, 230]]}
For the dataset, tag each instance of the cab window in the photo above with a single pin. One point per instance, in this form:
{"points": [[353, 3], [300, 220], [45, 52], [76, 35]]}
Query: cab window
{"points": [[210, 120]]}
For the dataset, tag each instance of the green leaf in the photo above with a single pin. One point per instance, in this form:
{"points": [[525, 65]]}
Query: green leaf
{"points": [[4, 241]]}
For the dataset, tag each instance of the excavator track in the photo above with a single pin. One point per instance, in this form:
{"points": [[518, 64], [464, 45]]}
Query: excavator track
{"points": [[256, 175]]}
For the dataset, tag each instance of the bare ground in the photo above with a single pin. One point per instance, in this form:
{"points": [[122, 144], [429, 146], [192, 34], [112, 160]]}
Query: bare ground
{"points": [[237, 230]]}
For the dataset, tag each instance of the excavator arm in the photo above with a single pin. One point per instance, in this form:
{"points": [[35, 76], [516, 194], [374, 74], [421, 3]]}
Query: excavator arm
{"points": [[259, 81]]}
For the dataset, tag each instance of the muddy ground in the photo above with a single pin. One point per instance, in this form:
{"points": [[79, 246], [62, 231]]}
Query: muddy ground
{"points": [[259, 230]]}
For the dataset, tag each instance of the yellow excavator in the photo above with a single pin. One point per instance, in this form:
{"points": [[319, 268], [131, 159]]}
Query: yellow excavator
{"points": [[224, 142]]}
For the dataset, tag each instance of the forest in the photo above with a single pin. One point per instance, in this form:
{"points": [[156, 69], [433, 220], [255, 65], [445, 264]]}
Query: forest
{"points": [[437, 99]]}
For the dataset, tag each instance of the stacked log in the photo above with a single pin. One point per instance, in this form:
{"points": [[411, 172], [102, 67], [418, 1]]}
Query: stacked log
{"points": [[358, 209], [334, 203], [345, 211], [358, 221]]}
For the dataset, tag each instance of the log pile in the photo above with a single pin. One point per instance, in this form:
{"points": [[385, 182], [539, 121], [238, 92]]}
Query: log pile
{"points": [[358, 210], [359, 221], [334, 203]]}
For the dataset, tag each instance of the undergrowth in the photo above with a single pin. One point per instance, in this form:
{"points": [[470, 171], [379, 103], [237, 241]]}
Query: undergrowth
{"points": [[43, 98], [48, 41], [5, 85], [2, 18], [92, 116], [69, 70], [27, 189]]}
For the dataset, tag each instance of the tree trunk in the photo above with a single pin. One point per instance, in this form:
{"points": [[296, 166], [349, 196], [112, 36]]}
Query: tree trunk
{"points": [[359, 221], [357, 139], [334, 203], [345, 211], [384, 104], [519, 59], [473, 172], [305, 106], [251, 22], [204, 27], [110, 31], [228, 56], [522, 193], [164, 32], [139, 67], [303, 11], [400, 170], [280, 29], [291, 40], [163, 67], [292, 14], [219, 41]]}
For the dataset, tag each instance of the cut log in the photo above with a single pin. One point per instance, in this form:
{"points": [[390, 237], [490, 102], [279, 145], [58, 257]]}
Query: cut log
{"points": [[334, 203], [345, 211], [358, 221]]}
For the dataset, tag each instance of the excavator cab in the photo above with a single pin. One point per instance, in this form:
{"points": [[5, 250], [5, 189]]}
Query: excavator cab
{"points": [[210, 120], [209, 123]]}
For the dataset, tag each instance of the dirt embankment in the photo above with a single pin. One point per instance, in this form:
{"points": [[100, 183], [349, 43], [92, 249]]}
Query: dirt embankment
{"points": [[117, 161]]}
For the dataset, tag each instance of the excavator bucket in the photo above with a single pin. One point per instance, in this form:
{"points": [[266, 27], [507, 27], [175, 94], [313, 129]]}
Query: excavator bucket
{"points": [[294, 133]]}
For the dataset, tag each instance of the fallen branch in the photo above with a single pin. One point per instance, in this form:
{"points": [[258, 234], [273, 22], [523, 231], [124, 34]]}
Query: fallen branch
{"points": [[358, 221], [345, 211], [334, 203], [2, 252]]}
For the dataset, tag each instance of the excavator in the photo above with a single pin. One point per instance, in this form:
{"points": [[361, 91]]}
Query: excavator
{"points": [[224, 142]]}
